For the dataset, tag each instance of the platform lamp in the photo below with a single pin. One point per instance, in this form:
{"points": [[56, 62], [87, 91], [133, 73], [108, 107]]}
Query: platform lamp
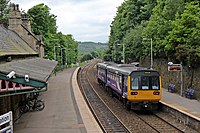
{"points": [[150, 39], [62, 55], [55, 51]]}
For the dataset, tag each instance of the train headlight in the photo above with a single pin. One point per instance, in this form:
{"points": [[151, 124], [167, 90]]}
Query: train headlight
{"points": [[156, 93], [134, 93]]}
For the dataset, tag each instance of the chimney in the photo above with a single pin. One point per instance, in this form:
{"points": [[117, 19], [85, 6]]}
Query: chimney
{"points": [[15, 19], [25, 21]]}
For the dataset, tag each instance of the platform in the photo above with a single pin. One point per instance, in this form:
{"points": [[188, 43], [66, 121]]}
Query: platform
{"points": [[65, 111], [187, 106]]}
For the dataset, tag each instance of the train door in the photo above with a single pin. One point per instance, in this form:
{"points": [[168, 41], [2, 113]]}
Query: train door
{"points": [[124, 86], [122, 83]]}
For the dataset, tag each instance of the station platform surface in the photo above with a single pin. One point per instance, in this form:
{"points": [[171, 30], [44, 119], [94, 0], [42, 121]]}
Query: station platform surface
{"points": [[185, 105], [65, 110]]}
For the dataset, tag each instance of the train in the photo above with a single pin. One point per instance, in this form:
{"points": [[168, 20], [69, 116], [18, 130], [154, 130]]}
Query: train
{"points": [[139, 88]]}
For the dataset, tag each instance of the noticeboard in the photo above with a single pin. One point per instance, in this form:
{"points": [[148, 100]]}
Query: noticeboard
{"points": [[174, 68]]}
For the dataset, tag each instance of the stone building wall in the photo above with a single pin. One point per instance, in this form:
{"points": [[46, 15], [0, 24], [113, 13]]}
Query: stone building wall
{"points": [[19, 22]]}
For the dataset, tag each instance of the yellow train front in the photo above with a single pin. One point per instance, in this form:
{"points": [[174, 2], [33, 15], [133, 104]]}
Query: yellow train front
{"points": [[143, 90], [139, 88]]}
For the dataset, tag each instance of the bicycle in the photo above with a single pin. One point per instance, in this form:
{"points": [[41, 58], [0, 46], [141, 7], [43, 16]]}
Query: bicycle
{"points": [[32, 103]]}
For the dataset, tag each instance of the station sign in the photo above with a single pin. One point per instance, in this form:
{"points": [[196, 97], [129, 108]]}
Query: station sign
{"points": [[174, 67], [6, 119]]}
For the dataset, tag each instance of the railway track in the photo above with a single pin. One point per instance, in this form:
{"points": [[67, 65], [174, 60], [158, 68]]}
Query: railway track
{"points": [[105, 117], [157, 123], [133, 121]]}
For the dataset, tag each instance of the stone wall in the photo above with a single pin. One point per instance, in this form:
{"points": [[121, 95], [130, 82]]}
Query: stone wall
{"points": [[19, 22], [174, 77]]}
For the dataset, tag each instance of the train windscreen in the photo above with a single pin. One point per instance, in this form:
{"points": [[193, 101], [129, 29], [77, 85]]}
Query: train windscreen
{"points": [[145, 81]]}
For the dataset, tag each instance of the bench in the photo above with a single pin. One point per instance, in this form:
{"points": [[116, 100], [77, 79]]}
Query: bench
{"points": [[190, 93], [171, 88]]}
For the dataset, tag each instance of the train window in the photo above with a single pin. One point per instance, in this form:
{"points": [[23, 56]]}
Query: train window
{"points": [[145, 83], [134, 83], [125, 81], [108, 75], [155, 83], [120, 79]]}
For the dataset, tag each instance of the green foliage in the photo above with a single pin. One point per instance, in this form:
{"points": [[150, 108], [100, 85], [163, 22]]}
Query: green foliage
{"points": [[173, 26], [91, 55], [85, 57], [42, 21], [91, 50], [160, 23], [133, 45], [85, 47], [185, 34], [129, 15], [4, 11], [58, 46]]}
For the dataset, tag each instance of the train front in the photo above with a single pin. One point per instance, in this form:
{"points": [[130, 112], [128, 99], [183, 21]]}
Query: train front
{"points": [[144, 90]]}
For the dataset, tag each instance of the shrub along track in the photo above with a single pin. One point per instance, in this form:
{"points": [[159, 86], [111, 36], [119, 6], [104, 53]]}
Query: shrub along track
{"points": [[136, 121]]}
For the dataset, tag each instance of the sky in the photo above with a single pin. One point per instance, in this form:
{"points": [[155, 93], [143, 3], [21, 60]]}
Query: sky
{"points": [[86, 20]]}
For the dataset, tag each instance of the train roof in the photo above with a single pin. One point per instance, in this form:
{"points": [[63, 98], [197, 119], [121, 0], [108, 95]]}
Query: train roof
{"points": [[126, 70], [105, 64]]}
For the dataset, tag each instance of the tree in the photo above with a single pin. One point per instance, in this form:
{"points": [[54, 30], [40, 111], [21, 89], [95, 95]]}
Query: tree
{"points": [[160, 24], [185, 35], [133, 45], [129, 15], [42, 21], [4, 11]]}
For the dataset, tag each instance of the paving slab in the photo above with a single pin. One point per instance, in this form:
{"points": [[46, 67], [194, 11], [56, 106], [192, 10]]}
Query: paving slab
{"points": [[61, 113]]}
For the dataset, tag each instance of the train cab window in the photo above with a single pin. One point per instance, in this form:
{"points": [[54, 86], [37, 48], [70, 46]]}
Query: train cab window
{"points": [[155, 83], [134, 83], [145, 83]]}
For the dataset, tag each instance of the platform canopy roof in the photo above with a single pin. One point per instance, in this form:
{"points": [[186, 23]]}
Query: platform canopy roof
{"points": [[37, 69]]}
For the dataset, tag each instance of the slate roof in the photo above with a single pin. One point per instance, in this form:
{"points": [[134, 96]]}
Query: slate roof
{"points": [[12, 44], [37, 68]]}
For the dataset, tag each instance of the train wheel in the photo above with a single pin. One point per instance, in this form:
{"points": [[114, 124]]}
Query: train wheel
{"points": [[160, 107], [107, 88], [110, 92], [127, 105]]}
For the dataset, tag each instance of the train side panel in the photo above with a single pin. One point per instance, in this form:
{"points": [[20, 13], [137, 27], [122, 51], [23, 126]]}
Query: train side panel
{"points": [[101, 75], [114, 85]]}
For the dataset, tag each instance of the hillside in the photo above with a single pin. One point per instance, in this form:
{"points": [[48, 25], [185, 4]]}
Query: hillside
{"points": [[85, 47]]}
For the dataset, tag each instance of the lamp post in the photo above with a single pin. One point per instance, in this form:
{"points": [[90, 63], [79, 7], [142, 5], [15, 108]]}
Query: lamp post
{"points": [[55, 51], [150, 39], [62, 56]]}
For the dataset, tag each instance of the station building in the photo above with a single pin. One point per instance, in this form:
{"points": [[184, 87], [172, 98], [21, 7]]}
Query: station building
{"points": [[21, 56]]}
